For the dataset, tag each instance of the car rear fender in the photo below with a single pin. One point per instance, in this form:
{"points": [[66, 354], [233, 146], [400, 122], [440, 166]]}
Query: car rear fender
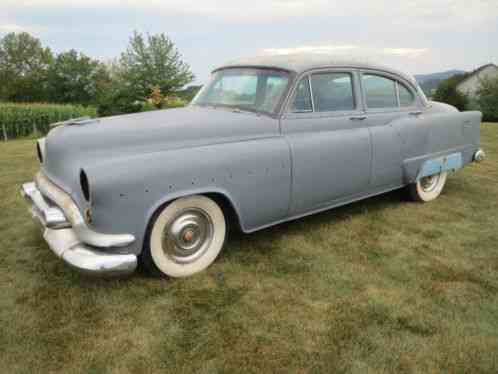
{"points": [[451, 142]]}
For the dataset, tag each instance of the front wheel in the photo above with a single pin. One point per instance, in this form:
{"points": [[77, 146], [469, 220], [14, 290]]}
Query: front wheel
{"points": [[428, 188], [186, 236]]}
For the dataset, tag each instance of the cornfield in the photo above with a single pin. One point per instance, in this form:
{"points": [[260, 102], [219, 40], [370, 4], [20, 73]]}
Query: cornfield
{"points": [[20, 120]]}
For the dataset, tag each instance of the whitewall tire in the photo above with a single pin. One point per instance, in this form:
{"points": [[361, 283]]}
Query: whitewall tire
{"points": [[185, 238], [428, 188]]}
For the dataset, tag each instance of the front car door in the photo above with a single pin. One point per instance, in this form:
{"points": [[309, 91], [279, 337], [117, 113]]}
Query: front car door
{"points": [[325, 127]]}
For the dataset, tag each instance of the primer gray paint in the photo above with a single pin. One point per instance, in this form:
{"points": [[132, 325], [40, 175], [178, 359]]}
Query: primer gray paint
{"points": [[271, 169]]}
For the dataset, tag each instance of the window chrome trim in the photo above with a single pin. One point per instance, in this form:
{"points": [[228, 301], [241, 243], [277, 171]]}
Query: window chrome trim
{"points": [[414, 97], [354, 76], [293, 94], [413, 87], [311, 93], [396, 89], [386, 108], [353, 90]]}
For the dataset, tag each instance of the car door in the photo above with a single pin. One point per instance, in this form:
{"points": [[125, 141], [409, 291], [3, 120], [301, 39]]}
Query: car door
{"points": [[328, 138], [392, 113]]}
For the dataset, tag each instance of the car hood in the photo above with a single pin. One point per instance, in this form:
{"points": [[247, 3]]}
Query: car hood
{"points": [[69, 148]]}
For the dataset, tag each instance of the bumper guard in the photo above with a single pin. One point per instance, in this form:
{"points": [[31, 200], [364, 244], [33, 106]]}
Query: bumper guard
{"points": [[69, 237]]}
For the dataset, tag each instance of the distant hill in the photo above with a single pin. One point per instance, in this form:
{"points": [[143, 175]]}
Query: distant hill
{"points": [[429, 82], [421, 78]]}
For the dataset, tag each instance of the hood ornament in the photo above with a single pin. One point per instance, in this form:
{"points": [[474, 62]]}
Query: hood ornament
{"points": [[75, 121]]}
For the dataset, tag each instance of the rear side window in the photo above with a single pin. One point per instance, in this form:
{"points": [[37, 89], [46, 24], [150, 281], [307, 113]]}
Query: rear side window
{"points": [[380, 92], [406, 97], [332, 92], [302, 98]]}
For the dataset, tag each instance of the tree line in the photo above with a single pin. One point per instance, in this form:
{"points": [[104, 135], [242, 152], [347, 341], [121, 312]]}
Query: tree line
{"points": [[151, 65]]}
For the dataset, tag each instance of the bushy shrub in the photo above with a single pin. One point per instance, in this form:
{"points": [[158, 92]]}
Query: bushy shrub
{"points": [[447, 92], [487, 99], [18, 120], [174, 102], [160, 101]]}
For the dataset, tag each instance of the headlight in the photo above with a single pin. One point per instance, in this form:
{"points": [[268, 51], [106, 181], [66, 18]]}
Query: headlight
{"points": [[85, 187]]}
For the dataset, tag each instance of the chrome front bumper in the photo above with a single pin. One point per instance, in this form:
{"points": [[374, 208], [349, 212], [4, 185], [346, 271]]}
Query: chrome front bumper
{"points": [[69, 237]]}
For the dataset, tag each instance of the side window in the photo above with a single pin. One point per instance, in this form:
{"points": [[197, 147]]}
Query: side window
{"points": [[406, 97], [302, 98], [380, 92], [332, 92]]}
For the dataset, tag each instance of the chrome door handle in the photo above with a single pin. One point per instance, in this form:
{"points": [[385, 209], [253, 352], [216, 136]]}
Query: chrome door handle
{"points": [[415, 113], [358, 118]]}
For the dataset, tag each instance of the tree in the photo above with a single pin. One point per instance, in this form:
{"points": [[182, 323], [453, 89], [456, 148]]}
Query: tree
{"points": [[487, 98], [447, 92], [24, 65], [152, 61], [76, 78]]}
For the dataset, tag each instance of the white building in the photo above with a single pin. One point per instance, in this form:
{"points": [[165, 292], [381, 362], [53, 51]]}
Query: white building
{"points": [[470, 85]]}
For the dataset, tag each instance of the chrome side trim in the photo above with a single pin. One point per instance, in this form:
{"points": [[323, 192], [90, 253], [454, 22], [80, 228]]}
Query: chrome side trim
{"points": [[73, 215], [66, 245]]}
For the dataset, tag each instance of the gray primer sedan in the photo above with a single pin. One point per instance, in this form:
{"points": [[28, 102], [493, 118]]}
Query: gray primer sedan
{"points": [[267, 140]]}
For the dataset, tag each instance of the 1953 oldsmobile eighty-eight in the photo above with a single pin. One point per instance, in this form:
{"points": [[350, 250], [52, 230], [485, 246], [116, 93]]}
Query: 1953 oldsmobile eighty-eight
{"points": [[267, 140]]}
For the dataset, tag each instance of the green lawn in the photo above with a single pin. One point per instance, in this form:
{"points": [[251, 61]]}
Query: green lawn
{"points": [[379, 286]]}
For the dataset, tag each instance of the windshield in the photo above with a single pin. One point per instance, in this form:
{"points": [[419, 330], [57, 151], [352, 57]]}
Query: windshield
{"points": [[258, 90]]}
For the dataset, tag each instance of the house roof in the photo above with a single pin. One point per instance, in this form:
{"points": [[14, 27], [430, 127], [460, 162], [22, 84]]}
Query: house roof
{"points": [[300, 63], [475, 72]]}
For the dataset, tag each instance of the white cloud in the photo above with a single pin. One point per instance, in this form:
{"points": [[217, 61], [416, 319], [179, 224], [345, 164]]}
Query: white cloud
{"points": [[350, 50], [392, 11], [321, 49], [407, 52], [418, 16], [415, 35], [11, 28]]}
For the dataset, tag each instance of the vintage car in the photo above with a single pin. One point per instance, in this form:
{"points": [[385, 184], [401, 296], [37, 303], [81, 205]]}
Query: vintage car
{"points": [[267, 140]]}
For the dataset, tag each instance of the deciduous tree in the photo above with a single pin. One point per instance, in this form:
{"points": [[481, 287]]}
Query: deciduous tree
{"points": [[447, 92], [24, 65], [152, 61], [487, 98], [76, 78]]}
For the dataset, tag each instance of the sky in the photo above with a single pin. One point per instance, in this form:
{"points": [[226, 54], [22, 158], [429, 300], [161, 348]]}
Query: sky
{"points": [[416, 36]]}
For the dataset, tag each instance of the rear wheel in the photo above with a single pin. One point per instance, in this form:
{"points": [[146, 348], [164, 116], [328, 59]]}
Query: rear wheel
{"points": [[428, 188], [186, 236]]}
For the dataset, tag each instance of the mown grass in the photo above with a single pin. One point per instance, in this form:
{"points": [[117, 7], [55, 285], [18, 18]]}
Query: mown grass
{"points": [[379, 286]]}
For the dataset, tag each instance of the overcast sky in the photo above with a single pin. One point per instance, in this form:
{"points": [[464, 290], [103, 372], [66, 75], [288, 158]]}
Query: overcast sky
{"points": [[417, 36]]}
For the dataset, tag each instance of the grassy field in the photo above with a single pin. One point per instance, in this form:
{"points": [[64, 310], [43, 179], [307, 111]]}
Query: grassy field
{"points": [[380, 286]]}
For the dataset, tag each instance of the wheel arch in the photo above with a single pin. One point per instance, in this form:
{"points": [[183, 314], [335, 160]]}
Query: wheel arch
{"points": [[221, 197]]}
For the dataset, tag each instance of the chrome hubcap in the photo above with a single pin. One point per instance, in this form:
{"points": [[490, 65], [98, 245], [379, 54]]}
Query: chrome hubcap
{"points": [[188, 235], [429, 183]]}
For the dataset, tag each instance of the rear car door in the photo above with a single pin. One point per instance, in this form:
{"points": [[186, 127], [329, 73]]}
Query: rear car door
{"points": [[329, 139], [392, 111]]}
